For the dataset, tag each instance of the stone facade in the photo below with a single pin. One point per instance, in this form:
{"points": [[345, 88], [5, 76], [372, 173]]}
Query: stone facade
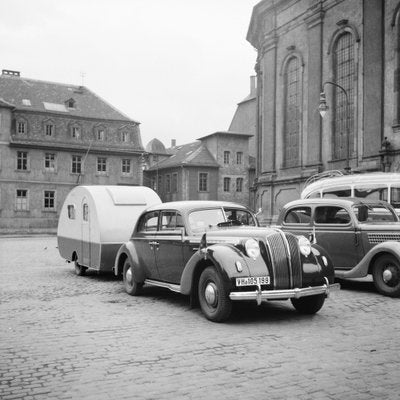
{"points": [[216, 167], [47, 148], [306, 47]]}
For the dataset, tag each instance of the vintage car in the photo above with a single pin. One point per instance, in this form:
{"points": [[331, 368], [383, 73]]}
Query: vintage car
{"points": [[361, 236], [216, 253]]}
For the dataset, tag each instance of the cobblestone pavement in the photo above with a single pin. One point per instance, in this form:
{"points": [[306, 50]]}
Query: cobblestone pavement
{"points": [[69, 337]]}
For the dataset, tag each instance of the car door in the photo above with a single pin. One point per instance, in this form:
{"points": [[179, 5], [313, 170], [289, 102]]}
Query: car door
{"points": [[335, 232], [145, 243], [169, 248]]}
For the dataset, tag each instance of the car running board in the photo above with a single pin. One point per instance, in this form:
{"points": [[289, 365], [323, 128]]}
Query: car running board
{"points": [[170, 286]]}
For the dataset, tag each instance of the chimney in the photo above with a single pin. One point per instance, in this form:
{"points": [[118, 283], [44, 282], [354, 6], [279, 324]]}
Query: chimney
{"points": [[173, 142], [253, 89], [10, 72]]}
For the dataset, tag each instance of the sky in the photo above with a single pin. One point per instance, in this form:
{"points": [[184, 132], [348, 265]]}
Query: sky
{"points": [[179, 67]]}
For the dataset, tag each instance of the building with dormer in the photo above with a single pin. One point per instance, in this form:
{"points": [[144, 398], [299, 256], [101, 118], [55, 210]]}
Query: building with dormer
{"points": [[53, 137], [215, 167]]}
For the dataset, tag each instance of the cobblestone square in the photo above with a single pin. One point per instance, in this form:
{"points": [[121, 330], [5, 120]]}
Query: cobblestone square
{"points": [[69, 337]]}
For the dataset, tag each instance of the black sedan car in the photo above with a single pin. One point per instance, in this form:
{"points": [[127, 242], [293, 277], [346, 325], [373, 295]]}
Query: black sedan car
{"points": [[216, 253]]}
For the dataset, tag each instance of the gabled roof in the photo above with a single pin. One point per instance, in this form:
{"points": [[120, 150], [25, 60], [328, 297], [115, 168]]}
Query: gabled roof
{"points": [[191, 154], [51, 97]]}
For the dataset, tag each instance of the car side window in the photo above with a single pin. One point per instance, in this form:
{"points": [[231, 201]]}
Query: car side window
{"points": [[331, 215], [242, 216], [148, 222], [344, 191], [171, 220], [298, 215]]}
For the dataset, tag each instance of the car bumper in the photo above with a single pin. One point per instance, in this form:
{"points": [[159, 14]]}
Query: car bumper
{"points": [[265, 295]]}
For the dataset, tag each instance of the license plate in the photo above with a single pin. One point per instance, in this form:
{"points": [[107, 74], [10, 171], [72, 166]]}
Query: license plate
{"points": [[252, 280]]}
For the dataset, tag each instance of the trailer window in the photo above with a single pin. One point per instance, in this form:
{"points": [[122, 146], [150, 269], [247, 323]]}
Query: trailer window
{"points": [[71, 211], [85, 212]]}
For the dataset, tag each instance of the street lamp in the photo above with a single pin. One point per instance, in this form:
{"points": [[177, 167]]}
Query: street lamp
{"points": [[323, 109]]}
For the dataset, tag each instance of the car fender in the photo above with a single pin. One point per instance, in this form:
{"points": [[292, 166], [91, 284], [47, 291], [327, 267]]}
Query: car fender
{"points": [[223, 256], [127, 250], [324, 261], [363, 267]]}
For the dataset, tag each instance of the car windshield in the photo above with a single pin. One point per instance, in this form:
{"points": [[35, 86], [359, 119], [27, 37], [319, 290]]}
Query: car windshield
{"points": [[374, 213], [205, 220]]}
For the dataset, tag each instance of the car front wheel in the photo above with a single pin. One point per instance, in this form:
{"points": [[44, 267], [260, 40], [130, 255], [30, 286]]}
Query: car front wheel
{"points": [[214, 299], [131, 286], [309, 304], [386, 275]]}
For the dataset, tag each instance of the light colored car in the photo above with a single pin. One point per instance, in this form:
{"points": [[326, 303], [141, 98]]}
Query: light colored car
{"points": [[361, 236], [216, 253]]}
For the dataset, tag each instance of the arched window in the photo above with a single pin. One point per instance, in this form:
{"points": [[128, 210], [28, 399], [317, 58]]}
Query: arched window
{"points": [[344, 75], [291, 136]]}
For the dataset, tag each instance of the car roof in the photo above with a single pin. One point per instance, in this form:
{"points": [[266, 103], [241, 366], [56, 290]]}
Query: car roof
{"points": [[190, 205], [340, 201]]}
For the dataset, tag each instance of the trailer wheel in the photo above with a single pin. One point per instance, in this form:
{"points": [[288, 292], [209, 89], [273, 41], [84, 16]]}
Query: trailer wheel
{"points": [[80, 270], [131, 286]]}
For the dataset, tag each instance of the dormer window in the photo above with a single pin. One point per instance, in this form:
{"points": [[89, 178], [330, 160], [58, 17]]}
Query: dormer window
{"points": [[75, 132], [21, 127], [49, 129], [70, 103], [100, 134], [124, 137]]}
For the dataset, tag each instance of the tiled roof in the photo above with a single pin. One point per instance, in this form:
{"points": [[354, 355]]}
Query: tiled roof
{"points": [[191, 154], [29, 94]]}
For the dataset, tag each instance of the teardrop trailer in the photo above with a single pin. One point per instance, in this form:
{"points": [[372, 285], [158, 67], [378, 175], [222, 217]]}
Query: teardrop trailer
{"points": [[96, 220]]}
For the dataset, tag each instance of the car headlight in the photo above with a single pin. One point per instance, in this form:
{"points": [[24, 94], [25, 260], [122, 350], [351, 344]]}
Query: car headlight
{"points": [[252, 248], [304, 246]]}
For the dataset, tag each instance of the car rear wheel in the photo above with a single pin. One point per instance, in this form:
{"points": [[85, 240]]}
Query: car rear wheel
{"points": [[213, 297], [309, 304], [80, 270], [386, 275], [131, 286]]}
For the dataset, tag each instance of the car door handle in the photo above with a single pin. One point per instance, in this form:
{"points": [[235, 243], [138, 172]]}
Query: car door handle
{"points": [[154, 243]]}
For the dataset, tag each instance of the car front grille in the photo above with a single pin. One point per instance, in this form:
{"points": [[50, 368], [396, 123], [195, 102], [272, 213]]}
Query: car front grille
{"points": [[285, 259], [376, 238]]}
